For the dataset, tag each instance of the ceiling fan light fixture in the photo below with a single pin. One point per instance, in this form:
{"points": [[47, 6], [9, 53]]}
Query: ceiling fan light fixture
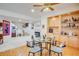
{"points": [[47, 9]]}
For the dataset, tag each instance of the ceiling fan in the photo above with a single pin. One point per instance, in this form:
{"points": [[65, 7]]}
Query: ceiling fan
{"points": [[46, 6]]}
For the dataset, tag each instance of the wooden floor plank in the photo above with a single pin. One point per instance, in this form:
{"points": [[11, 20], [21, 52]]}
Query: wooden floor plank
{"points": [[23, 51]]}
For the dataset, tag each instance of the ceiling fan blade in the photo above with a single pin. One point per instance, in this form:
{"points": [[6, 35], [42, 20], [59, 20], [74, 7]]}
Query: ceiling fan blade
{"points": [[53, 3], [50, 4], [37, 5]]}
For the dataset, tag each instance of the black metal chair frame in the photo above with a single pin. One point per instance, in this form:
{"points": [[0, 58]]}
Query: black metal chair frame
{"points": [[59, 54], [38, 43]]}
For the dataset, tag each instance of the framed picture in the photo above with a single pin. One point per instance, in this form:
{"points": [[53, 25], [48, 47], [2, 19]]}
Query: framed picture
{"points": [[37, 34], [6, 27], [50, 30]]}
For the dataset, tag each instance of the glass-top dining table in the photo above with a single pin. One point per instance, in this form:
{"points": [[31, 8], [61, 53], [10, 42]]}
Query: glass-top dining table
{"points": [[48, 45]]}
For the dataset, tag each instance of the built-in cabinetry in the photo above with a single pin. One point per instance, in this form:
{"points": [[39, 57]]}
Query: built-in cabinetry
{"points": [[70, 28], [65, 28], [54, 27]]}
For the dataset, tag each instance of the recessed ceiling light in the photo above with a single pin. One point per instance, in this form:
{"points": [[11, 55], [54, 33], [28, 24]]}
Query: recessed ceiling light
{"points": [[32, 10]]}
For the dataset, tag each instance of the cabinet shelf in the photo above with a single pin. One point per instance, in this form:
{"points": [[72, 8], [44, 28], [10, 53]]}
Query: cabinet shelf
{"points": [[70, 27], [54, 27], [70, 22]]}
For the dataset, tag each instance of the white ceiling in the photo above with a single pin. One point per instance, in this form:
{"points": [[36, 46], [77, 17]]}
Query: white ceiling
{"points": [[25, 9], [21, 8]]}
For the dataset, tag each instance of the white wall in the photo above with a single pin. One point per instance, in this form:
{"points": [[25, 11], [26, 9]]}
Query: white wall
{"points": [[29, 30], [37, 28]]}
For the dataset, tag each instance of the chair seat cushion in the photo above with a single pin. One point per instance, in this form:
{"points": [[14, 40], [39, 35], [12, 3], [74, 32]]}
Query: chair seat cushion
{"points": [[56, 49], [35, 49]]}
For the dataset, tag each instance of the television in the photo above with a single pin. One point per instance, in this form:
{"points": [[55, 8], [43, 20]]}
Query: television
{"points": [[37, 34]]}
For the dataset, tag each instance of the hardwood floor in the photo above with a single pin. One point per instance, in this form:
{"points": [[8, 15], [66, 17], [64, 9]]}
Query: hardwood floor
{"points": [[23, 51]]}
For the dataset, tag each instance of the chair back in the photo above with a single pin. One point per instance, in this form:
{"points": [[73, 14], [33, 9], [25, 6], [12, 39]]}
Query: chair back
{"points": [[30, 44], [38, 43]]}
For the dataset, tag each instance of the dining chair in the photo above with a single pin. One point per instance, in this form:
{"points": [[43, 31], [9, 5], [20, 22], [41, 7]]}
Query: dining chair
{"points": [[56, 49], [34, 47]]}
